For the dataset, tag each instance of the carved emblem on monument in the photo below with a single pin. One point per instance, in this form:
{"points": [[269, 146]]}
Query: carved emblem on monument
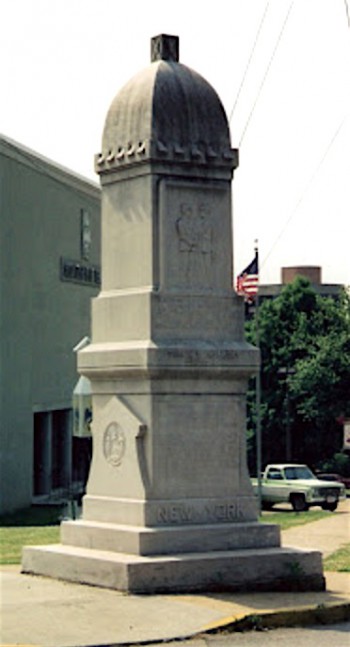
{"points": [[194, 231], [114, 443]]}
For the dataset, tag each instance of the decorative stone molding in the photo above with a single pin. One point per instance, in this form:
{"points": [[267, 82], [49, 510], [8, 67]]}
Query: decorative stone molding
{"points": [[146, 150]]}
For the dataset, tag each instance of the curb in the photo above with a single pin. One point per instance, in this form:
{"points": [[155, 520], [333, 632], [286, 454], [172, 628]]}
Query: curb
{"points": [[321, 614], [304, 616]]}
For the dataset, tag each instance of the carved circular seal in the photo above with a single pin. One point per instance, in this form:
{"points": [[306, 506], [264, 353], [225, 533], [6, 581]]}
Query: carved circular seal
{"points": [[114, 442]]}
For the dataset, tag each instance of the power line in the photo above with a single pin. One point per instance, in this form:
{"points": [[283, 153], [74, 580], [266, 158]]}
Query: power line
{"points": [[347, 12], [306, 189], [249, 61], [266, 72]]}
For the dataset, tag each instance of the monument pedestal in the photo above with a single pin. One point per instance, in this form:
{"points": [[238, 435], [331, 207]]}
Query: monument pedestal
{"points": [[252, 569], [169, 504]]}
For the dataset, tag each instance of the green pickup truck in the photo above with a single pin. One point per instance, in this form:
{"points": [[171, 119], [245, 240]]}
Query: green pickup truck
{"points": [[297, 485]]}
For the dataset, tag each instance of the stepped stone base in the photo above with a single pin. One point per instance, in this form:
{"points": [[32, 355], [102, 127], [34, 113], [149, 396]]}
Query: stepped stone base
{"points": [[168, 540], [259, 569]]}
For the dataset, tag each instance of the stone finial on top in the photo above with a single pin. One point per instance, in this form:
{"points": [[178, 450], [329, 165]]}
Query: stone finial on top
{"points": [[165, 48]]}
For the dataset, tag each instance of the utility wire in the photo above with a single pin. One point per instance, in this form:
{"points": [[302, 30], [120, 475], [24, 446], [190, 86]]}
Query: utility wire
{"points": [[347, 12], [249, 61], [306, 189], [266, 72]]}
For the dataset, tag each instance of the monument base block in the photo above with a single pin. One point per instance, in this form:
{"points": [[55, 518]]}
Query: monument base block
{"points": [[262, 569], [168, 540]]}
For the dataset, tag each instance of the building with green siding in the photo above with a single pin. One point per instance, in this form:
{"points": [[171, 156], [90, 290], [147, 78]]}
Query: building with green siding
{"points": [[49, 271]]}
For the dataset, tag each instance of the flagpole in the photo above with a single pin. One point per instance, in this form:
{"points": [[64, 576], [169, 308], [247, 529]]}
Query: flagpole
{"points": [[258, 391], [247, 285]]}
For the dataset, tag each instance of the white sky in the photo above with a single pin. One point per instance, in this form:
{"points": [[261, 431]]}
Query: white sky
{"points": [[63, 61]]}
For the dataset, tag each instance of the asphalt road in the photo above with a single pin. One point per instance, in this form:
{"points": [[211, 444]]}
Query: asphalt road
{"points": [[318, 636]]}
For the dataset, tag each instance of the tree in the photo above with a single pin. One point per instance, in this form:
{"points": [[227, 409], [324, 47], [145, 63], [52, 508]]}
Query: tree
{"points": [[305, 375]]}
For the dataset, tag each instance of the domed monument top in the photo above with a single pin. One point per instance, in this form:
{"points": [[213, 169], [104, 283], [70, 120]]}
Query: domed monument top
{"points": [[168, 113]]}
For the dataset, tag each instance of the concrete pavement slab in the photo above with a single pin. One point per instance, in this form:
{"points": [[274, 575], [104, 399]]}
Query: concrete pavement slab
{"points": [[327, 535], [50, 613]]}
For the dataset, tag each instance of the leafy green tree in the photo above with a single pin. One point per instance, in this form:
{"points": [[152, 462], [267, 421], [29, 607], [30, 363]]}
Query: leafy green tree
{"points": [[304, 340]]}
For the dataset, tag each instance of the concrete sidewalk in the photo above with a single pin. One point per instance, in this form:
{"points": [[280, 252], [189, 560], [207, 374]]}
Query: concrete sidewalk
{"points": [[326, 535], [50, 613]]}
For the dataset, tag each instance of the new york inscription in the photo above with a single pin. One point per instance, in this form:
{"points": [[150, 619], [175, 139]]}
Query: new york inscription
{"points": [[207, 513]]}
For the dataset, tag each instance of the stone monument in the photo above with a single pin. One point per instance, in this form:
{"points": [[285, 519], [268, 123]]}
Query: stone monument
{"points": [[169, 504]]}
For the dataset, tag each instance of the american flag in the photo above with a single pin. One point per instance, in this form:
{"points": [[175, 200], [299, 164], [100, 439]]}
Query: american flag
{"points": [[248, 280]]}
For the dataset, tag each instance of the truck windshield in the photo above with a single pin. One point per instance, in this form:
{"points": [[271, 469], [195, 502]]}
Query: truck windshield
{"points": [[298, 472]]}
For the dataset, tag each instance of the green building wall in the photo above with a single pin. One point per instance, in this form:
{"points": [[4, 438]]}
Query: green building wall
{"points": [[42, 314]]}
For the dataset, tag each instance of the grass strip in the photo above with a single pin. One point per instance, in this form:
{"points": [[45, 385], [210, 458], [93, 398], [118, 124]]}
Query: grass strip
{"points": [[13, 539], [36, 526], [339, 561], [289, 519]]}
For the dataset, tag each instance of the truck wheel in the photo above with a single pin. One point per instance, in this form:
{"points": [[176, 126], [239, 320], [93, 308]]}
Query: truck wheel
{"points": [[298, 503], [330, 506], [266, 506]]}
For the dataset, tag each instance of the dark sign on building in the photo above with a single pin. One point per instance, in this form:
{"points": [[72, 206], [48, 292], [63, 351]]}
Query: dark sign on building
{"points": [[80, 272]]}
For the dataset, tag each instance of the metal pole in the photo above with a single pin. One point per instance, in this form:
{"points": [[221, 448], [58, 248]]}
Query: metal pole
{"points": [[288, 429], [257, 404], [286, 372]]}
